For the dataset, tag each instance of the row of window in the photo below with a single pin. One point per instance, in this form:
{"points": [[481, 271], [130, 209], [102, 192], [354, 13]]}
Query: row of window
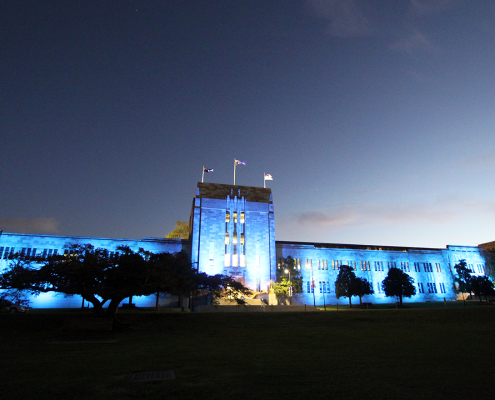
{"points": [[234, 238], [366, 266], [27, 253], [234, 214], [325, 287]]}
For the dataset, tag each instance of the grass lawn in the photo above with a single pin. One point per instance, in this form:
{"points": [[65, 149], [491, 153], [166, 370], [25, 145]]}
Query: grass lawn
{"points": [[430, 352]]}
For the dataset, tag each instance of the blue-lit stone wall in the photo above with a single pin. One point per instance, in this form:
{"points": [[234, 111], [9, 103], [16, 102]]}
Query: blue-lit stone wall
{"points": [[431, 269], [233, 233], [36, 245]]}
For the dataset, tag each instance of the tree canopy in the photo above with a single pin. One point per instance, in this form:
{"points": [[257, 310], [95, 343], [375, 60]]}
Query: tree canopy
{"points": [[283, 281], [100, 277], [361, 287], [482, 286], [181, 231], [462, 277], [398, 284], [344, 285]]}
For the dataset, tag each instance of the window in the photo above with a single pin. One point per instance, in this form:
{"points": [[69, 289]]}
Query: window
{"points": [[321, 286], [258, 287], [6, 254], [309, 263], [242, 239], [298, 263], [242, 218], [242, 261], [438, 267], [227, 216], [308, 287], [235, 217], [442, 288], [420, 288], [234, 239], [326, 265], [227, 238]]}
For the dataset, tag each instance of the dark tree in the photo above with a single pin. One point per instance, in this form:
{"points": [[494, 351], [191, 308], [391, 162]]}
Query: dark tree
{"points": [[362, 288], [463, 278], [345, 283], [100, 277], [398, 284], [482, 286]]}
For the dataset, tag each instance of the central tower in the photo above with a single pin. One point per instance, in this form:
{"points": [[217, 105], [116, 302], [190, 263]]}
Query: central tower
{"points": [[233, 233]]}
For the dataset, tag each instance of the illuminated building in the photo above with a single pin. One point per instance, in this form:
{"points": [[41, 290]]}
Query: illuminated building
{"points": [[232, 231]]}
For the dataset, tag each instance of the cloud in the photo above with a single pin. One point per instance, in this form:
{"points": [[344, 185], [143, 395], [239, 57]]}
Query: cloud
{"points": [[39, 225], [354, 215], [424, 7], [346, 18], [482, 160], [415, 43]]}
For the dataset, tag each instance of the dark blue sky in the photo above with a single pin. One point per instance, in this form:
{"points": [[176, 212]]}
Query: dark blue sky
{"points": [[375, 118]]}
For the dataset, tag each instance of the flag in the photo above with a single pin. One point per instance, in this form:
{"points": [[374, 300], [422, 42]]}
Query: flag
{"points": [[207, 169], [268, 177], [237, 162]]}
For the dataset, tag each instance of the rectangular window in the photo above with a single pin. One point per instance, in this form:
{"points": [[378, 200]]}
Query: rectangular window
{"points": [[227, 238], [319, 265], [242, 239], [242, 218], [258, 286], [309, 263], [234, 239], [326, 265], [242, 260], [235, 260], [226, 261], [227, 216], [321, 287], [235, 217], [6, 254], [308, 287]]}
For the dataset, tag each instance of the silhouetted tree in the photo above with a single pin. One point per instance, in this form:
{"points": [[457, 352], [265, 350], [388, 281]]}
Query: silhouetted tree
{"points": [[361, 287], [345, 283], [100, 277], [462, 278], [482, 286], [398, 284]]}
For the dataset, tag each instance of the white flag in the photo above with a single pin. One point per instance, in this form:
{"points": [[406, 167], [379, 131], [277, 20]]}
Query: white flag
{"points": [[268, 177]]}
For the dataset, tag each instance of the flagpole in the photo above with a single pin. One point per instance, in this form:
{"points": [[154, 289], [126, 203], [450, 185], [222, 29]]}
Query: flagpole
{"points": [[264, 180], [203, 177], [234, 170]]}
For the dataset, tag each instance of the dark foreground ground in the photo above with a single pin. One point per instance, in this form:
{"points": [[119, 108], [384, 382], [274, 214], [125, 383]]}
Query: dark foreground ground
{"points": [[436, 353]]}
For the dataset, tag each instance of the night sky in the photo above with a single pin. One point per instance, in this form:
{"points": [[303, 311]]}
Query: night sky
{"points": [[375, 118]]}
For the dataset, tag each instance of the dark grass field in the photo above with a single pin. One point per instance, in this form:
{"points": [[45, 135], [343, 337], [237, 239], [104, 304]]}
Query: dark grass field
{"points": [[429, 352]]}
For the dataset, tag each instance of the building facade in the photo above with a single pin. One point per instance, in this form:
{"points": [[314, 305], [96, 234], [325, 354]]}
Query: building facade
{"points": [[232, 232]]}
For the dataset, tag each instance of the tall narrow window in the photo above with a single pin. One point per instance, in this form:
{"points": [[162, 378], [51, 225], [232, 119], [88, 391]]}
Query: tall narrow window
{"points": [[235, 217], [242, 218], [242, 239], [234, 239], [227, 216], [227, 238]]}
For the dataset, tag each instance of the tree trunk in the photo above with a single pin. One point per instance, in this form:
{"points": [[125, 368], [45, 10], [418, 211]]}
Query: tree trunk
{"points": [[350, 302], [113, 306], [360, 300], [400, 297]]}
